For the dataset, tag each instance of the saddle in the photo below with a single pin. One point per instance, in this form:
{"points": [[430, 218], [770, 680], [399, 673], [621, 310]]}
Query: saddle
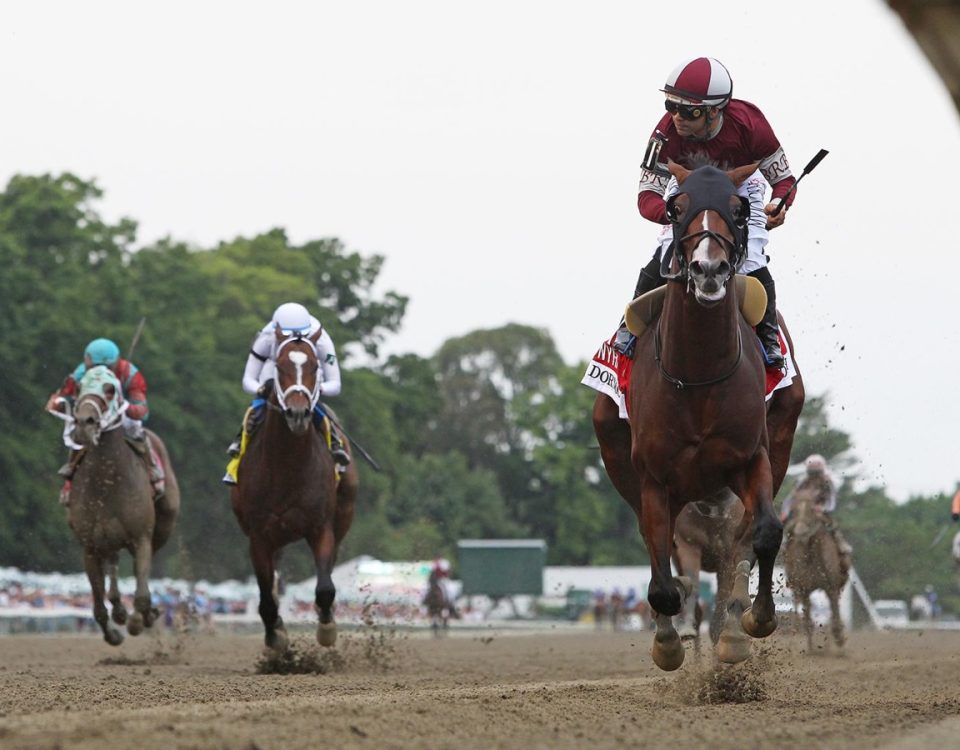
{"points": [[646, 308]]}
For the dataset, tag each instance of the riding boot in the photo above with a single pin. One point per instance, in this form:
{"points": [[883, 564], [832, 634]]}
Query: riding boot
{"points": [[337, 449], [648, 280], [155, 468], [69, 468], [233, 450], [767, 330]]}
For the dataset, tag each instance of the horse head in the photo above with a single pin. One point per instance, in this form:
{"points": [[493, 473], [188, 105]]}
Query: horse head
{"points": [[99, 405], [297, 383], [709, 227]]}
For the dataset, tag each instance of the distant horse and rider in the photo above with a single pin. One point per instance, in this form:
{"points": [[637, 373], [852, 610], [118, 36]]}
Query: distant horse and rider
{"points": [[438, 599], [114, 501], [698, 419], [814, 559], [290, 485]]}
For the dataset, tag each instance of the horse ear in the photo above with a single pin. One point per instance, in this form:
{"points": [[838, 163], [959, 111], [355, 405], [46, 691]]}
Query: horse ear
{"points": [[738, 175], [278, 332], [681, 173], [315, 336]]}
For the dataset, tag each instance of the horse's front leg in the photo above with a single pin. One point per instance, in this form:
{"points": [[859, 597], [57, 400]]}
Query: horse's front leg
{"points": [[756, 491], [94, 567], [324, 548], [262, 557], [118, 613], [143, 614], [666, 593]]}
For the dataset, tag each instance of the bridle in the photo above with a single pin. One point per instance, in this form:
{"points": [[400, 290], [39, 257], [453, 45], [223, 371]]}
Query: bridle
{"points": [[299, 359], [707, 189]]}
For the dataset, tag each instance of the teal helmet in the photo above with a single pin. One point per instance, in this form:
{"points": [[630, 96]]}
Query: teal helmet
{"points": [[102, 352]]}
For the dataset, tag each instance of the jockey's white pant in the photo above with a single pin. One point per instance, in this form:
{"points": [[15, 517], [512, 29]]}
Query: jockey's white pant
{"points": [[132, 428]]}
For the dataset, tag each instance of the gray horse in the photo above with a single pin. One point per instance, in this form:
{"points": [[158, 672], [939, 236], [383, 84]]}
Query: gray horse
{"points": [[813, 561], [705, 539], [112, 507]]}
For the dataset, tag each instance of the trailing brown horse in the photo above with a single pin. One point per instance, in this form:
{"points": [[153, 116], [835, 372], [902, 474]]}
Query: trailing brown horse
{"points": [[698, 419], [112, 504], [439, 606], [813, 561], [288, 490]]}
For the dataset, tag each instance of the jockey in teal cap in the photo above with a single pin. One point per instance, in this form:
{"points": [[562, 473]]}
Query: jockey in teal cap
{"points": [[106, 352]]}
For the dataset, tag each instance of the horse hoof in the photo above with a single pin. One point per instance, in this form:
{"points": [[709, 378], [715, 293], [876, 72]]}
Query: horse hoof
{"points": [[151, 616], [135, 624], [668, 653], [277, 641], [733, 648], [756, 628], [327, 633], [119, 615], [113, 637], [687, 632]]}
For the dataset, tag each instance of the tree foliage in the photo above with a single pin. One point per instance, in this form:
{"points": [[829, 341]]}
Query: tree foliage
{"points": [[489, 437]]}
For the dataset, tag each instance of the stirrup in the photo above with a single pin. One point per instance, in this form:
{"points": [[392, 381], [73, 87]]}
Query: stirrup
{"points": [[341, 457]]}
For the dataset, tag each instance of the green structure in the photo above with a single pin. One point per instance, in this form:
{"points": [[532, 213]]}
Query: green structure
{"points": [[501, 567]]}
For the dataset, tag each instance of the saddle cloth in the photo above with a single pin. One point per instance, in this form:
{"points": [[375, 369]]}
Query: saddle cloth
{"points": [[608, 372]]}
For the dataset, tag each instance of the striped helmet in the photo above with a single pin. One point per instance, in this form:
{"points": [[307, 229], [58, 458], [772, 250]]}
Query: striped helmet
{"points": [[700, 80]]}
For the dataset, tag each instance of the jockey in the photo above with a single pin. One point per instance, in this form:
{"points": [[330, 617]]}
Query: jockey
{"points": [[818, 479], [258, 376], [705, 124], [134, 386]]}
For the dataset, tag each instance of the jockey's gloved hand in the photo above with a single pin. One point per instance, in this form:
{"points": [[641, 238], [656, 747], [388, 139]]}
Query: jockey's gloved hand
{"points": [[264, 390], [955, 516]]}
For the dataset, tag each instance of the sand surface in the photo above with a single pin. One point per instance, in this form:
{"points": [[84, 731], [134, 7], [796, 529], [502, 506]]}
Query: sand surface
{"points": [[477, 689]]}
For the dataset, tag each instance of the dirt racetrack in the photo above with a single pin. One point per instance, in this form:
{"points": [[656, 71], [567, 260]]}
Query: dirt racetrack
{"points": [[475, 690]]}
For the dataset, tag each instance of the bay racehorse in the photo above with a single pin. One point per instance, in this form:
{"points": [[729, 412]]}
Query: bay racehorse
{"points": [[440, 608], [287, 487], [813, 561], [112, 504], [698, 419]]}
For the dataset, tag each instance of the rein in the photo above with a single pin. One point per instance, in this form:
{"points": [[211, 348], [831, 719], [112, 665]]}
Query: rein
{"points": [[681, 384]]}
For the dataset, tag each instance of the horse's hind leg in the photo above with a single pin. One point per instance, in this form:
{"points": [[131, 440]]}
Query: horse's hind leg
{"points": [[733, 599], [94, 568], [118, 613], [836, 623], [143, 614], [262, 557], [324, 554], [688, 558]]}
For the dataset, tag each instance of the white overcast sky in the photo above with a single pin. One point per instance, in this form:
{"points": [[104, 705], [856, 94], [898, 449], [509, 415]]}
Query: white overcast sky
{"points": [[491, 152]]}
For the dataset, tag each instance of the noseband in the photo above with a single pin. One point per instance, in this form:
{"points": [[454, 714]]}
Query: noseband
{"points": [[299, 359]]}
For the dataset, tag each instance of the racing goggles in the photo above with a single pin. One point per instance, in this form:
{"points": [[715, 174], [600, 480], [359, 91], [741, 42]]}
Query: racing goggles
{"points": [[686, 111]]}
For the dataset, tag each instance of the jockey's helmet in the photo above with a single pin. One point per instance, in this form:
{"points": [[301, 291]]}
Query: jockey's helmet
{"points": [[292, 318], [441, 566], [102, 352], [699, 80], [816, 464]]}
